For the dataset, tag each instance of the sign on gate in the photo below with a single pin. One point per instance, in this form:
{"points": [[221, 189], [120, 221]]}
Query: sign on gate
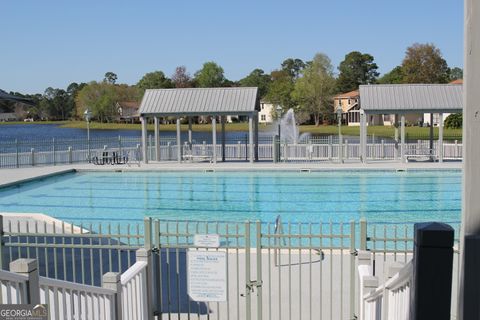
{"points": [[207, 275], [206, 240]]}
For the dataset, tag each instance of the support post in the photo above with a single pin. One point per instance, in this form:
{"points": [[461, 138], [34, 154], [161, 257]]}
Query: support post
{"points": [[395, 124], [157, 138], [250, 137], [29, 268], [179, 141], [469, 306], [402, 138], [143, 120], [214, 139], [430, 145], [145, 255], [111, 280], [222, 120], [256, 135], [363, 136], [431, 286], [440, 137], [190, 131]]}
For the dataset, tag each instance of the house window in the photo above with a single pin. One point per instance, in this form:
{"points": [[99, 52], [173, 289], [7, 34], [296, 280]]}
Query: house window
{"points": [[262, 106], [348, 101], [263, 117]]}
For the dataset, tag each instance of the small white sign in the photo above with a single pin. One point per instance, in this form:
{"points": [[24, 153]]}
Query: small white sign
{"points": [[207, 275], [206, 240]]}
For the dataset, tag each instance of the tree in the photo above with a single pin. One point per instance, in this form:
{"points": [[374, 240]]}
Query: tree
{"points": [[110, 77], [55, 104], [293, 67], [315, 89], [423, 63], [357, 68], [257, 78], [101, 99], [154, 80], [211, 75], [181, 78], [455, 73], [280, 89], [395, 76], [454, 121]]}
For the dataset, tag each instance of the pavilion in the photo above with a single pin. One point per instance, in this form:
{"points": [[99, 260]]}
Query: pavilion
{"points": [[402, 99], [192, 102]]}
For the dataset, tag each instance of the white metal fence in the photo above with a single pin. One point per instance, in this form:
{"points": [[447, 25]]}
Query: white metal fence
{"points": [[52, 152]]}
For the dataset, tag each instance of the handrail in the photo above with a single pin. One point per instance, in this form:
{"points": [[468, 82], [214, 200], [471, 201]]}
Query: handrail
{"points": [[128, 275], [49, 282], [400, 279], [12, 276]]}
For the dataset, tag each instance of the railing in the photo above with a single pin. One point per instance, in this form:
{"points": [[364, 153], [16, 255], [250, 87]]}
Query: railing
{"points": [[67, 151], [392, 299], [124, 296], [134, 292]]}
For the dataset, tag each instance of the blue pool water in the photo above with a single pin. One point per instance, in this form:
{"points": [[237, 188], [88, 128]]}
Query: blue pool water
{"points": [[338, 196]]}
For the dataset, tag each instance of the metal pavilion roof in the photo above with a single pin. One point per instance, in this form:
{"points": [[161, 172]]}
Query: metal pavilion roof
{"points": [[199, 101], [411, 98]]}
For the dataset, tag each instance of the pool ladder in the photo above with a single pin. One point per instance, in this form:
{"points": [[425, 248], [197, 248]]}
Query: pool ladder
{"points": [[278, 231]]}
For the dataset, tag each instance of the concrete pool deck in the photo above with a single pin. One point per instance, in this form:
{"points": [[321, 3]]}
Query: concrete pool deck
{"points": [[10, 177]]}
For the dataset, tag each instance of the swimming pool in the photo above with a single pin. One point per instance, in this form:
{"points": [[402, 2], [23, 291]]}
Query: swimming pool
{"points": [[330, 196]]}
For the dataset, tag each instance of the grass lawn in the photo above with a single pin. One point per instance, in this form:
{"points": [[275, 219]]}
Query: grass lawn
{"points": [[379, 131]]}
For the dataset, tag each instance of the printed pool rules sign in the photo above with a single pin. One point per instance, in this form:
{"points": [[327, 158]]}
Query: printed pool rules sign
{"points": [[207, 275]]}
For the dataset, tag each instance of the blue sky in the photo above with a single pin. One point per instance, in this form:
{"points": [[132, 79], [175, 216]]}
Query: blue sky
{"points": [[54, 43]]}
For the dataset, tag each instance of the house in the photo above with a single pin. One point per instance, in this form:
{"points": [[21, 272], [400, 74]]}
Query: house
{"points": [[350, 104], [8, 116], [128, 111], [265, 113]]}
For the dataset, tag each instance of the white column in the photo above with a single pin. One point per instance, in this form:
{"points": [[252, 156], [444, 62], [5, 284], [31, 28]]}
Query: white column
{"points": [[214, 139], [222, 120], [395, 155], [250, 137], [256, 135], [440, 137], [190, 131], [470, 277], [179, 141], [157, 138], [143, 120], [363, 136], [402, 137]]}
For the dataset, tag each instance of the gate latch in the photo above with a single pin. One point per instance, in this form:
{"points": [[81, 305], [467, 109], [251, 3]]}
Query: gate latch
{"points": [[251, 285]]}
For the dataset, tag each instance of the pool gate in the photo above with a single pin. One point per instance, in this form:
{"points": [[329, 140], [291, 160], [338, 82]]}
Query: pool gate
{"points": [[276, 270]]}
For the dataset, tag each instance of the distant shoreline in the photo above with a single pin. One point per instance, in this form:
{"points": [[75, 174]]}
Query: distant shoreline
{"points": [[378, 131]]}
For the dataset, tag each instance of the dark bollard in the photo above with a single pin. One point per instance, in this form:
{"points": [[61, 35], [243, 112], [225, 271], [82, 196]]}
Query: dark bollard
{"points": [[431, 287]]}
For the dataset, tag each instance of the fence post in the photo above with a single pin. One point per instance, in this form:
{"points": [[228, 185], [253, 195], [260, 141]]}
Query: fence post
{"points": [[259, 270], [363, 234], [330, 148], [169, 150], [382, 142], [111, 280], [1, 243], [32, 156], [17, 159], [69, 154], [456, 149], [29, 268], [346, 150], [147, 222], [431, 288], [248, 302], [145, 255], [120, 147], [353, 253], [54, 152], [239, 149], [204, 148]]}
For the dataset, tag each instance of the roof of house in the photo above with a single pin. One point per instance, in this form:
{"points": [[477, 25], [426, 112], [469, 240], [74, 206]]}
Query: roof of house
{"points": [[458, 81], [200, 101], [351, 94], [411, 98]]}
